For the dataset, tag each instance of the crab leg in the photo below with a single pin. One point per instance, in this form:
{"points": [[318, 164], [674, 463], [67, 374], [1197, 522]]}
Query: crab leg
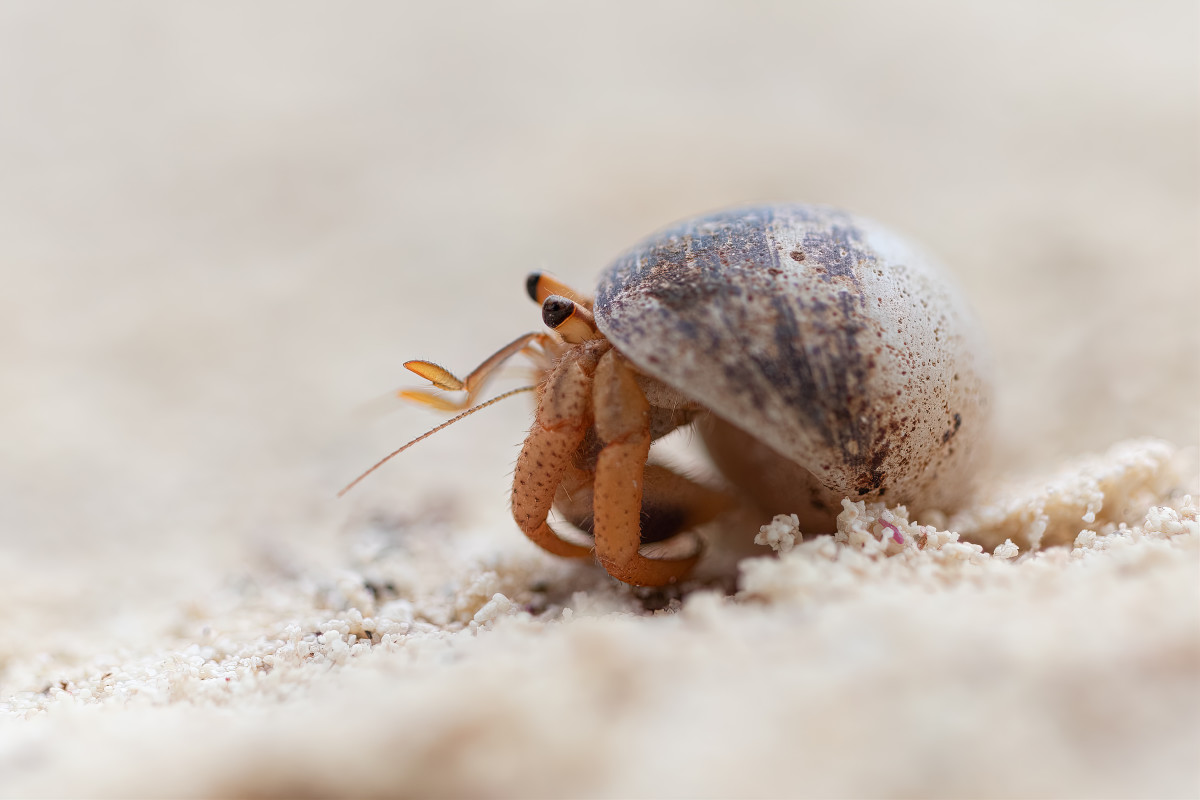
{"points": [[623, 424], [563, 418], [672, 503]]}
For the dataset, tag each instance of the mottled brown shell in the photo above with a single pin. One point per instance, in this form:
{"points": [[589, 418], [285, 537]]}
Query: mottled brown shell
{"points": [[818, 334]]}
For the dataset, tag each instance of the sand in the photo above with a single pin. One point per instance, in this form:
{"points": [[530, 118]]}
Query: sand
{"points": [[224, 232]]}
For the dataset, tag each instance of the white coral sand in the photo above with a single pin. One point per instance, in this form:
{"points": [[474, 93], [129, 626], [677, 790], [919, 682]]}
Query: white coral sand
{"points": [[891, 658]]}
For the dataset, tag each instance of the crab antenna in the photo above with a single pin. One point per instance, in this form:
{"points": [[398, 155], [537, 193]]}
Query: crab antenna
{"points": [[429, 433]]}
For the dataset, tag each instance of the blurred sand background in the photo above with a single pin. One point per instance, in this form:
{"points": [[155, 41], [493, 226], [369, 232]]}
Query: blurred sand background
{"points": [[223, 229]]}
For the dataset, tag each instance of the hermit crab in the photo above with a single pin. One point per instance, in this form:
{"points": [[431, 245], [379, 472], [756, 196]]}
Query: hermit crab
{"points": [[818, 355]]}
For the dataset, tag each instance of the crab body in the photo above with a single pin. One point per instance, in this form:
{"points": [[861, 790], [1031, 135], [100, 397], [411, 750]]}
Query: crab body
{"points": [[819, 355]]}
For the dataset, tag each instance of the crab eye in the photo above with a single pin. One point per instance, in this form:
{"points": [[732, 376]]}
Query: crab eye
{"points": [[568, 319], [531, 285], [556, 310]]}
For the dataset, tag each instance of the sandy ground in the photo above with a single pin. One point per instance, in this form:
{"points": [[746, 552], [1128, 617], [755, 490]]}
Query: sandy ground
{"points": [[223, 230]]}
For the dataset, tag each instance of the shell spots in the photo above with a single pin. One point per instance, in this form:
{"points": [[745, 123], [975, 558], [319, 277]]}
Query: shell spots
{"points": [[949, 432], [765, 317]]}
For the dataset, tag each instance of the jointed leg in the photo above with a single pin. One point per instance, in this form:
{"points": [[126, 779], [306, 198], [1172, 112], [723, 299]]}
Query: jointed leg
{"points": [[623, 424], [672, 503], [563, 419]]}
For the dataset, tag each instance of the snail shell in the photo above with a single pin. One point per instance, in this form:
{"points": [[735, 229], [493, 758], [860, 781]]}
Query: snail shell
{"points": [[837, 360]]}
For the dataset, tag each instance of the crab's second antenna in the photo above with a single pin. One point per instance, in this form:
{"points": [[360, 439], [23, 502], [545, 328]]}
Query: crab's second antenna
{"points": [[431, 432]]}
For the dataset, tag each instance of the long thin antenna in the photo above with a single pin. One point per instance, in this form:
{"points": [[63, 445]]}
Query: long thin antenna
{"points": [[429, 433]]}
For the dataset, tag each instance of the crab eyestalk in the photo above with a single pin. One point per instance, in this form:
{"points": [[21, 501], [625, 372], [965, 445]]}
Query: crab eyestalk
{"points": [[569, 319], [539, 285]]}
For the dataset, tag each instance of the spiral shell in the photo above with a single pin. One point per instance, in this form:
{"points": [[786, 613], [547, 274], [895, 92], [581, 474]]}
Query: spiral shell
{"points": [[836, 359]]}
